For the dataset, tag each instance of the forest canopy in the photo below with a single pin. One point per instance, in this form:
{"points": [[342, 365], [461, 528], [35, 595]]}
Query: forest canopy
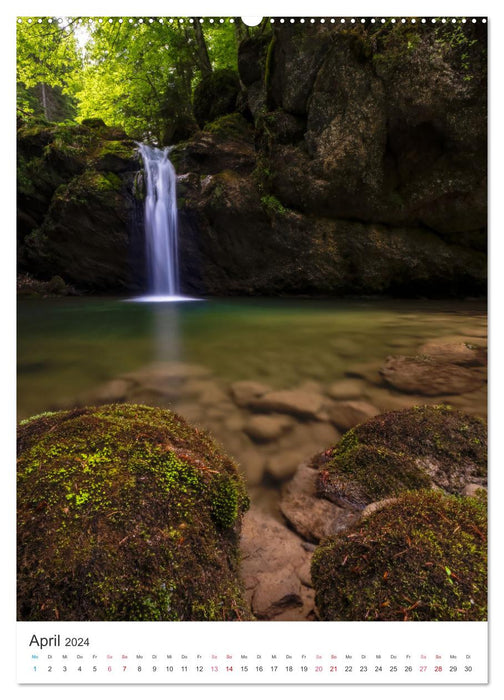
{"points": [[137, 73], [161, 79]]}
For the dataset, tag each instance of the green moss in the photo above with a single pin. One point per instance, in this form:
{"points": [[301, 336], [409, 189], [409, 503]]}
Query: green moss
{"points": [[231, 126], [105, 182], [422, 557], [215, 95], [122, 149], [272, 205], [461, 40], [404, 450], [228, 499], [269, 59], [126, 512], [363, 474], [394, 42], [25, 421], [139, 189], [89, 184]]}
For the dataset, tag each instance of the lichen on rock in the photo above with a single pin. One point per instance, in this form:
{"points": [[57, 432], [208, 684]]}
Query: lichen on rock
{"points": [[126, 512]]}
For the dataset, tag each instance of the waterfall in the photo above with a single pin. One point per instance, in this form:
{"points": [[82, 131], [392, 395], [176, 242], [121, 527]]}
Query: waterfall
{"points": [[161, 226]]}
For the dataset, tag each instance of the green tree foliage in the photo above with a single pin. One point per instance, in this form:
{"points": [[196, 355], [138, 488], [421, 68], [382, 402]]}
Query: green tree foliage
{"points": [[48, 65], [138, 73]]}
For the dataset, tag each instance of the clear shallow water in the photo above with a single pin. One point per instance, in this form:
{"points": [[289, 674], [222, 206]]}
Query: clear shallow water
{"points": [[186, 356], [66, 346]]}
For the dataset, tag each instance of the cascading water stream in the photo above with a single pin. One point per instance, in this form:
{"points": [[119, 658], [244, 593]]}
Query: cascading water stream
{"points": [[161, 226]]}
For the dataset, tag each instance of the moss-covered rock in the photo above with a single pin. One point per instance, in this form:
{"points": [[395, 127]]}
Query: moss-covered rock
{"points": [[421, 557], [405, 450], [231, 126], [216, 95], [85, 235], [27, 286], [116, 156], [126, 513], [75, 203]]}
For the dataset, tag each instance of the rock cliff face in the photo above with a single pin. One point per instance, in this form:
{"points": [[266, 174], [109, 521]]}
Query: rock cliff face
{"points": [[355, 164], [364, 170], [76, 209]]}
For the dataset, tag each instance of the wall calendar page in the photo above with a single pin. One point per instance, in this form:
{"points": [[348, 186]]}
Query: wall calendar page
{"points": [[251, 349]]}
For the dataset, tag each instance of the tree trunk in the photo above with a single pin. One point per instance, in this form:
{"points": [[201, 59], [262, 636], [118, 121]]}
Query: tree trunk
{"points": [[44, 102], [202, 51], [241, 30]]}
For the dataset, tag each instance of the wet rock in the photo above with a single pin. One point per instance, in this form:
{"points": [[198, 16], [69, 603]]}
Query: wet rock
{"points": [[253, 464], [296, 402], [306, 612], [428, 377], [478, 340], [479, 331], [300, 443], [369, 371], [283, 464], [309, 437], [76, 204], [234, 422], [311, 386], [346, 414], [190, 411], [152, 396], [346, 389], [273, 567], [474, 403], [276, 591], [246, 392], [313, 518], [207, 392], [267, 428], [115, 391], [456, 353], [386, 399]]}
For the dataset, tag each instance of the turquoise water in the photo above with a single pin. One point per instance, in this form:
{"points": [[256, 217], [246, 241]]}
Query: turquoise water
{"points": [[70, 345]]}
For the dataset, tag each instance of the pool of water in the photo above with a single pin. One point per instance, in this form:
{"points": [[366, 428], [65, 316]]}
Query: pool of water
{"points": [[71, 348]]}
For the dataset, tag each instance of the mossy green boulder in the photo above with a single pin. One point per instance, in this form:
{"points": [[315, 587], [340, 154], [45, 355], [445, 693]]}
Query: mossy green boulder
{"points": [[216, 95], [126, 512], [398, 451], [421, 557], [76, 209]]}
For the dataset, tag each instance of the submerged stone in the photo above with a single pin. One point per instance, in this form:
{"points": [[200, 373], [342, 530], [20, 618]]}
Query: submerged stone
{"points": [[275, 568], [126, 512], [456, 353], [305, 404], [267, 428], [429, 377], [346, 414]]}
